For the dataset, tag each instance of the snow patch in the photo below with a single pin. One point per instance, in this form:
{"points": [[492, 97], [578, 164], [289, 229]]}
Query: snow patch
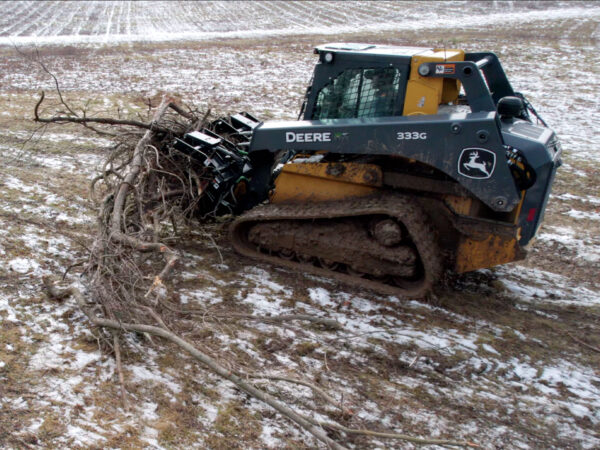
{"points": [[589, 215], [83, 437], [24, 265], [142, 374]]}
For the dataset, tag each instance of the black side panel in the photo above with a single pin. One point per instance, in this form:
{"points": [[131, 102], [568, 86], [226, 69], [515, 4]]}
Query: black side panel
{"points": [[540, 147], [467, 147]]}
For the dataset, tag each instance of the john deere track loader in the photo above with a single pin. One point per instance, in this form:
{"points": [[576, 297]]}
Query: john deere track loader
{"points": [[406, 162]]}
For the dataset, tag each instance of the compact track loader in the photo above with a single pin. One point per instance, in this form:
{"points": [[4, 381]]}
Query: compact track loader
{"points": [[406, 162]]}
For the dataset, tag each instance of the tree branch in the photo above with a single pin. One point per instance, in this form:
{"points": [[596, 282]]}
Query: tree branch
{"points": [[99, 120], [316, 389], [403, 437], [585, 344]]}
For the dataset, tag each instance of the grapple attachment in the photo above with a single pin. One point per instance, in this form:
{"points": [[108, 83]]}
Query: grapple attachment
{"points": [[221, 149]]}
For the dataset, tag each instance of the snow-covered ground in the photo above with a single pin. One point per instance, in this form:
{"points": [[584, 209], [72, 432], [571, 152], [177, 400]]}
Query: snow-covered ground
{"points": [[495, 362]]}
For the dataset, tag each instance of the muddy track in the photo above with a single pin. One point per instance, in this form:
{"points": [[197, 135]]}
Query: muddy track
{"points": [[402, 208]]}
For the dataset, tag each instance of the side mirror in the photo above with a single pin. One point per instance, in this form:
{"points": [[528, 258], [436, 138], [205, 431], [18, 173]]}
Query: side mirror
{"points": [[509, 107]]}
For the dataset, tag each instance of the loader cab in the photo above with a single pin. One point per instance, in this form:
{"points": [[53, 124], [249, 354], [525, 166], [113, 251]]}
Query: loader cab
{"points": [[366, 81]]}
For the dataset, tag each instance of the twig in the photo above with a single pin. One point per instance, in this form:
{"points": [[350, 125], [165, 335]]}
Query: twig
{"points": [[585, 344], [403, 437], [117, 349], [200, 123], [38, 60], [157, 318], [179, 110], [215, 246], [98, 120], [316, 389]]}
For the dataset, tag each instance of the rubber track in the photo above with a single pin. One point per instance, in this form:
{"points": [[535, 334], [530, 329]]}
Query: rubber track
{"points": [[403, 208]]}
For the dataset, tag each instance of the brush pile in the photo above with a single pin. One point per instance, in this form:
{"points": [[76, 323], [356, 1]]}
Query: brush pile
{"points": [[184, 166]]}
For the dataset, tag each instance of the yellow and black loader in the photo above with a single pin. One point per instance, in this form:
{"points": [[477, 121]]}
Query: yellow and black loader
{"points": [[405, 162]]}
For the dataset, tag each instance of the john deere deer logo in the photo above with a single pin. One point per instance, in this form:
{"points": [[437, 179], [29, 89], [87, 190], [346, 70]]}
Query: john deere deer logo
{"points": [[476, 163]]}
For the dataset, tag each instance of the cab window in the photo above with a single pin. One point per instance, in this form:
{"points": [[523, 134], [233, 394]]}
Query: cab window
{"points": [[354, 93]]}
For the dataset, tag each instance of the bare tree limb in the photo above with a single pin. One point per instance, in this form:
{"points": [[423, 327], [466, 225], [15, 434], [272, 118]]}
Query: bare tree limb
{"points": [[99, 120], [117, 348], [316, 389], [135, 167], [403, 437]]}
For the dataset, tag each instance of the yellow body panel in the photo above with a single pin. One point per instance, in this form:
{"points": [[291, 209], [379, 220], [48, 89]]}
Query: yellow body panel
{"points": [[425, 94], [325, 181], [491, 251], [421, 98], [459, 205]]}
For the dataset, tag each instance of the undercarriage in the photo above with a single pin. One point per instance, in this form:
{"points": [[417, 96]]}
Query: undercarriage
{"points": [[382, 242]]}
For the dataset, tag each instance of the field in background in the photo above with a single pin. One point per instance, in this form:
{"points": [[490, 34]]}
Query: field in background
{"points": [[50, 22], [495, 361]]}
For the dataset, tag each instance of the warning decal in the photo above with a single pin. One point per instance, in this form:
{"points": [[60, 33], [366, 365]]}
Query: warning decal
{"points": [[441, 69]]}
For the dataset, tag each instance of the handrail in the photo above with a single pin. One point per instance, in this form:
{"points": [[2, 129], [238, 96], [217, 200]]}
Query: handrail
{"points": [[483, 62]]}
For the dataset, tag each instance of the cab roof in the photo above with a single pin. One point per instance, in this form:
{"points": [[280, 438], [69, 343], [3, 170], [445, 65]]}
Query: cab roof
{"points": [[379, 50]]}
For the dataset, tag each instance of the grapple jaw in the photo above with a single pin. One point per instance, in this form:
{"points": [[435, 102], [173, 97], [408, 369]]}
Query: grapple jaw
{"points": [[221, 148]]}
